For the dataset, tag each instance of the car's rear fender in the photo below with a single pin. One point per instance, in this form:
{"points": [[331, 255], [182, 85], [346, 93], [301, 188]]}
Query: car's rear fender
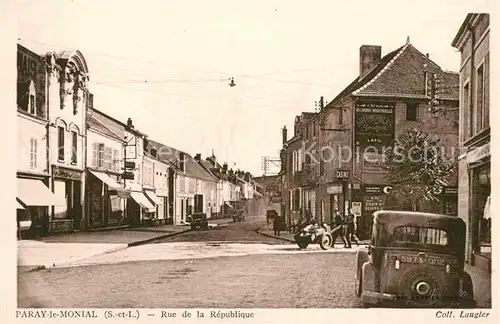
{"points": [[368, 276]]}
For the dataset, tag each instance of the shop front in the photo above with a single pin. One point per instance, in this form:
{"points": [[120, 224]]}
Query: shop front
{"points": [[67, 186], [105, 199], [157, 202], [162, 207], [139, 209], [335, 194], [480, 216], [34, 199]]}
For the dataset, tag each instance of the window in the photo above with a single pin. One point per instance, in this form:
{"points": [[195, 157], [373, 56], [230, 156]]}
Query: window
{"points": [[74, 147], [181, 161], [32, 104], [153, 152], [422, 235], [412, 111], [426, 83], [469, 120], [341, 116], [100, 156], [480, 100], [33, 152], [60, 154], [109, 158]]}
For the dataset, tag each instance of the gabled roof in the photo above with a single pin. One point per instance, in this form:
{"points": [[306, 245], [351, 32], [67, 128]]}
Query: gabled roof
{"points": [[400, 73], [114, 124], [95, 124]]}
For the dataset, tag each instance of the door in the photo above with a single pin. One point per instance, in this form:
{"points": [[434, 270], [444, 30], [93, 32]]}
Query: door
{"points": [[182, 209], [76, 207]]}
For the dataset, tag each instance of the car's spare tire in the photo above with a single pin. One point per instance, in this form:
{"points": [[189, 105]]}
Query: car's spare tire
{"points": [[421, 286]]}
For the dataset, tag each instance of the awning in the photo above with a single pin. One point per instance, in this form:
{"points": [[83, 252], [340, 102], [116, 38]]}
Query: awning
{"points": [[110, 182], [141, 199], [35, 193], [19, 205], [228, 204], [154, 197]]}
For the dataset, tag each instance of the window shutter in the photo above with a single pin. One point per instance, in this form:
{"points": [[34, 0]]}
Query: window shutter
{"points": [[35, 152], [115, 160], [94, 155]]}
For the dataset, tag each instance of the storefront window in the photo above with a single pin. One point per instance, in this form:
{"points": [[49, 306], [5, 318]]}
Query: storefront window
{"points": [[481, 190]]}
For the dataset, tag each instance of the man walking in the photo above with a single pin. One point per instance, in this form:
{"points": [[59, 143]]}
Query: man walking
{"points": [[351, 228], [338, 229], [277, 225]]}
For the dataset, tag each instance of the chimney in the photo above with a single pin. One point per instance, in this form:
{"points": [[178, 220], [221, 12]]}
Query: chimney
{"points": [[369, 57], [129, 123], [284, 135], [224, 166], [197, 157]]}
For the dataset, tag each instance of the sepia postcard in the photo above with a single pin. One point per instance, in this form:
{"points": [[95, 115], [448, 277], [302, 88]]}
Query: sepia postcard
{"points": [[251, 161]]}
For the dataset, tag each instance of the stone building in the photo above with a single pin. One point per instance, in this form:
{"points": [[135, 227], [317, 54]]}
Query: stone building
{"points": [[344, 140], [473, 41]]}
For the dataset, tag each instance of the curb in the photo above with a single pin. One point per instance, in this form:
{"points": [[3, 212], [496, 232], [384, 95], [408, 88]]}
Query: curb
{"points": [[137, 243], [30, 268], [273, 236]]}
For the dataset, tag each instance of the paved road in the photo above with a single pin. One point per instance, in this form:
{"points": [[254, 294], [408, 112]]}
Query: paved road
{"points": [[233, 232], [264, 281]]}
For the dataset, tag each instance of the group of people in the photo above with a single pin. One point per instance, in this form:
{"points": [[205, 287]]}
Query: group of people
{"points": [[343, 227], [346, 228]]}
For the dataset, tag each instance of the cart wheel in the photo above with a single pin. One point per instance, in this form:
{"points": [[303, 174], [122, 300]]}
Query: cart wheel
{"points": [[325, 241]]}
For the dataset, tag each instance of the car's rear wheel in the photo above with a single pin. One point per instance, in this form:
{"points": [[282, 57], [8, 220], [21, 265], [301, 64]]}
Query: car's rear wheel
{"points": [[361, 258]]}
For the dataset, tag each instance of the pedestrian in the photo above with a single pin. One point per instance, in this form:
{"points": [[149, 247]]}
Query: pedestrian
{"points": [[351, 228], [277, 225], [338, 229]]}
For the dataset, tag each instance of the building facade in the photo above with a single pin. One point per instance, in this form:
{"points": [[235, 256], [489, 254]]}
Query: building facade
{"points": [[474, 194], [105, 196], [334, 161], [68, 99], [34, 196], [138, 207]]}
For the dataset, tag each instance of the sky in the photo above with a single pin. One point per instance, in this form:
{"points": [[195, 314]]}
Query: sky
{"points": [[167, 64]]}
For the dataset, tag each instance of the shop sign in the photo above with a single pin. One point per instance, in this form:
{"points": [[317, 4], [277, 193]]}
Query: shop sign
{"points": [[333, 190], [342, 174], [67, 173], [450, 191], [478, 153], [128, 176], [373, 189], [374, 124]]}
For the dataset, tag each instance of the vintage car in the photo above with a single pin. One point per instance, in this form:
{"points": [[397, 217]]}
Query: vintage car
{"points": [[199, 220], [414, 260]]}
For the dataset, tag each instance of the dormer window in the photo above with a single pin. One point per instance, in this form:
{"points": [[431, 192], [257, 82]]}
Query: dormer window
{"points": [[32, 98]]}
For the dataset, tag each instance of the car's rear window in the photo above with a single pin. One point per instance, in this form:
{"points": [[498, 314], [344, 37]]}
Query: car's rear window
{"points": [[422, 235]]}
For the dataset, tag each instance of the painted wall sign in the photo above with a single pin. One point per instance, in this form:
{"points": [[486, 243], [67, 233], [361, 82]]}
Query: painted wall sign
{"points": [[342, 174], [333, 190], [374, 124], [67, 173]]}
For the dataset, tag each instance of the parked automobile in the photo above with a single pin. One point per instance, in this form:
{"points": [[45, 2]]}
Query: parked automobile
{"points": [[199, 220], [312, 234], [414, 260], [239, 216]]}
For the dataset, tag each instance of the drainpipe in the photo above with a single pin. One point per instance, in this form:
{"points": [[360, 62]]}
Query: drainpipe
{"points": [[83, 198], [48, 74]]}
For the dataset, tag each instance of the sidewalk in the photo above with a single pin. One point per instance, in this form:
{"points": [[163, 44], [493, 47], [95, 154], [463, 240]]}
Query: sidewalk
{"points": [[129, 236], [59, 250], [33, 255], [482, 286]]}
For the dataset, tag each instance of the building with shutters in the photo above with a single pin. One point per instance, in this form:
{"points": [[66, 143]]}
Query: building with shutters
{"points": [[34, 195], [105, 196]]}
